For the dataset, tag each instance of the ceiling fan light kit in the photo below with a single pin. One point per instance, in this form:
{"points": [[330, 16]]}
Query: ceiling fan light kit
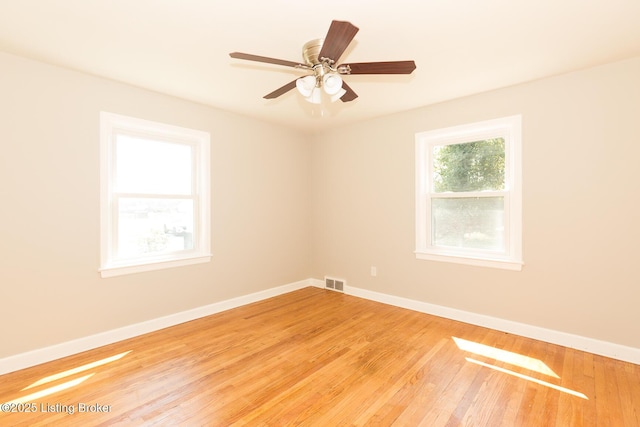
{"points": [[320, 57]]}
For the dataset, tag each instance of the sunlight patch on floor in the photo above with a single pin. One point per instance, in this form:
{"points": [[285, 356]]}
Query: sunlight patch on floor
{"points": [[77, 370], [528, 378], [50, 390], [509, 357], [68, 384]]}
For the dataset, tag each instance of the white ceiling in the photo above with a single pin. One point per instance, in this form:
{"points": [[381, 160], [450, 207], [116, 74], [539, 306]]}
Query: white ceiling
{"points": [[181, 47]]}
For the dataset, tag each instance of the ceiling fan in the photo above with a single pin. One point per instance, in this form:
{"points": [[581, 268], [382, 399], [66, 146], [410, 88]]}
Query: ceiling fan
{"points": [[321, 58]]}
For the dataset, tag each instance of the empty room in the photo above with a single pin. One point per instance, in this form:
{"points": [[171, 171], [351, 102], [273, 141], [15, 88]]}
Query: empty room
{"points": [[324, 214]]}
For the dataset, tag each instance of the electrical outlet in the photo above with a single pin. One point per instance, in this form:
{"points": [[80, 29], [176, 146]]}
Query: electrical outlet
{"points": [[374, 271]]}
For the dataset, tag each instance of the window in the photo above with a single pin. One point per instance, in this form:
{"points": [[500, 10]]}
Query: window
{"points": [[155, 209], [468, 194]]}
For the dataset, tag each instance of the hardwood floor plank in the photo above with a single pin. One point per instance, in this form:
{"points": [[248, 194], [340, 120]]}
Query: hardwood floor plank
{"points": [[508, 399], [569, 408], [412, 384], [320, 358]]}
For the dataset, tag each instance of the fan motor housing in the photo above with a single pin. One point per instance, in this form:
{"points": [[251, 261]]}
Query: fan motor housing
{"points": [[311, 50]]}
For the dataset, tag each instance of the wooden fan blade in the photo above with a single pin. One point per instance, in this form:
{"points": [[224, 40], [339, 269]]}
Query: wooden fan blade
{"points": [[389, 67], [350, 95], [249, 57], [338, 38], [281, 91]]}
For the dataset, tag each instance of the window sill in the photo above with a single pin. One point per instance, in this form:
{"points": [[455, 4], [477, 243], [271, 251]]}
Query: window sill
{"points": [[150, 265], [479, 262]]}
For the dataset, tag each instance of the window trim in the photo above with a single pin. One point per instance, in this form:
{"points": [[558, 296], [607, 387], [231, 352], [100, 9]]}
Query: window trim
{"points": [[509, 128], [112, 124]]}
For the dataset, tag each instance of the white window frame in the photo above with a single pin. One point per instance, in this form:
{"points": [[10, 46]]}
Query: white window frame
{"points": [[110, 126], [509, 128]]}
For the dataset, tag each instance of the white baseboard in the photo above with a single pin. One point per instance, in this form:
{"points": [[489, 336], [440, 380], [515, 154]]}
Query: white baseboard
{"points": [[602, 348], [57, 351], [47, 354]]}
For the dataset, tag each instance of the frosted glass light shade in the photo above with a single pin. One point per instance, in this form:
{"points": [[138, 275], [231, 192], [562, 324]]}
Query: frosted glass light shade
{"points": [[332, 83], [305, 85], [316, 96]]}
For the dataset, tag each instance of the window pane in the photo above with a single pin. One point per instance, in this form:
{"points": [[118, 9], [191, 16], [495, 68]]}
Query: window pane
{"points": [[152, 167], [472, 166], [470, 223], [154, 226]]}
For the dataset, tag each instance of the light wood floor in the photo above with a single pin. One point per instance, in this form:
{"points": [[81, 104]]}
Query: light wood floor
{"points": [[320, 358]]}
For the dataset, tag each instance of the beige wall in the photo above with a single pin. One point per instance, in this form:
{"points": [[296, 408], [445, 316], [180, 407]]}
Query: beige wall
{"points": [[285, 209], [581, 203], [51, 291]]}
